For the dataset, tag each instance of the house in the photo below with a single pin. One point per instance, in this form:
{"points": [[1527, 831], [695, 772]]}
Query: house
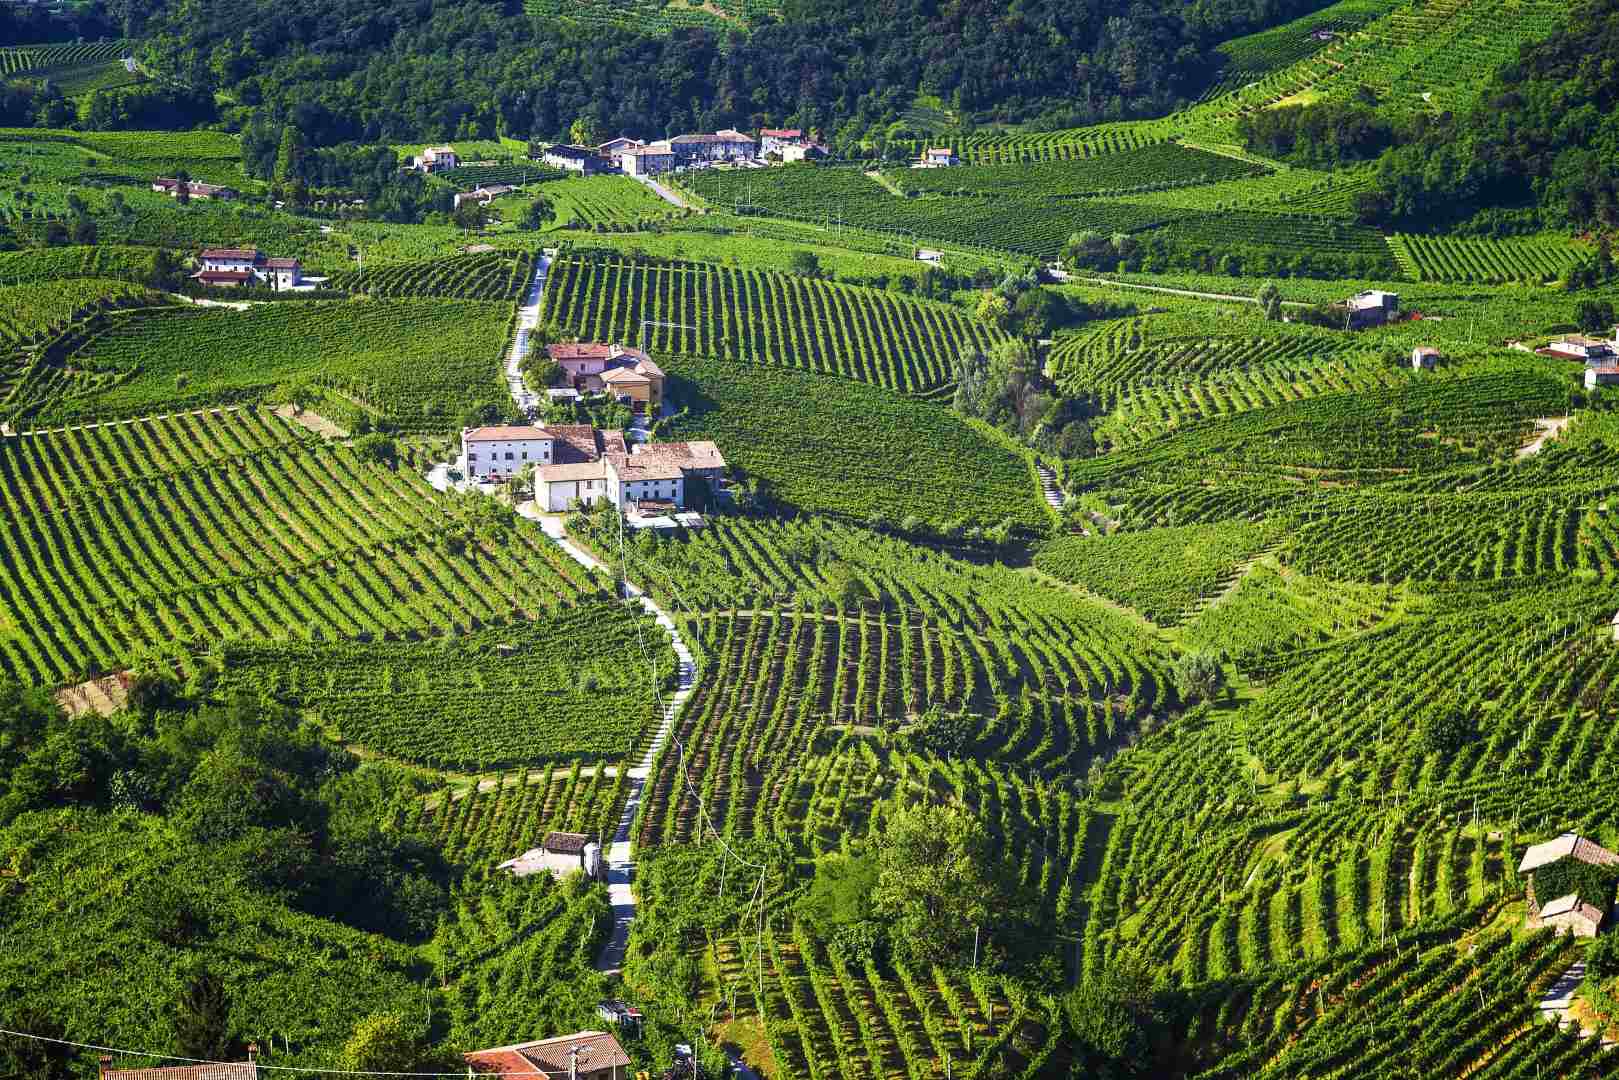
{"points": [[560, 854], [1601, 375], [1566, 913], [777, 140], [929, 256], [557, 488], [500, 452], [574, 159], [726, 145], [699, 460], [1580, 347], [804, 152], [1616, 627], [620, 1013], [589, 466], [1571, 915], [483, 196], [1424, 358], [628, 374], [235, 1070], [613, 147], [638, 481], [1373, 307], [584, 1055], [436, 159], [647, 160], [236, 267], [193, 189], [939, 157]]}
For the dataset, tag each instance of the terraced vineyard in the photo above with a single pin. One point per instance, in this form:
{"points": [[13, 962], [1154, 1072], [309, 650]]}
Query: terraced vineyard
{"points": [[421, 363], [1070, 145], [656, 16], [181, 532], [828, 445], [761, 317], [1153, 165], [1487, 262], [600, 202], [28, 59], [495, 275]]}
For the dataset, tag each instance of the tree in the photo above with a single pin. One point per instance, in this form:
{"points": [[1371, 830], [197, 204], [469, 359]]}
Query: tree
{"points": [[289, 155], [202, 1018], [1594, 316], [1199, 676], [537, 214], [937, 880], [1270, 301], [382, 1042], [34, 1059], [1445, 730], [583, 132], [805, 264]]}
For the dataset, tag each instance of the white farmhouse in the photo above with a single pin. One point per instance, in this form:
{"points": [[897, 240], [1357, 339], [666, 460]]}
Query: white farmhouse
{"points": [[500, 452], [560, 853]]}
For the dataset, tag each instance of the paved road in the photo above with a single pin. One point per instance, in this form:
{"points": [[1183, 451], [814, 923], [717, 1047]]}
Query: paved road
{"points": [[528, 317], [665, 192]]}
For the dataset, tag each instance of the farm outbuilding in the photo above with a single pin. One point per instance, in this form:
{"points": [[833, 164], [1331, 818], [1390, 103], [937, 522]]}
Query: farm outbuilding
{"points": [[1424, 358]]}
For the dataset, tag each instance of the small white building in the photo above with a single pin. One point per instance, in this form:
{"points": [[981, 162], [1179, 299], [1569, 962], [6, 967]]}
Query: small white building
{"points": [[437, 159], [938, 157], [778, 140], [560, 854], [500, 452], [1374, 307], [558, 487], [1601, 375], [1424, 358], [1580, 347], [804, 152], [481, 195], [613, 147], [230, 268], [644, 478]]}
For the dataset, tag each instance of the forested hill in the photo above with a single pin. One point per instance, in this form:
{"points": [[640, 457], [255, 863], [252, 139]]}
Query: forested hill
{"points": [[376, 70]]}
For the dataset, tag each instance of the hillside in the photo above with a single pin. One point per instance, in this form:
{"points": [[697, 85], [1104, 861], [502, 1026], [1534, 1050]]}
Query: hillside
{"points": [[1106, 567]]}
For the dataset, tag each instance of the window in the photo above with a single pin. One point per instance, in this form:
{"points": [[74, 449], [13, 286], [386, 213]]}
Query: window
{"points": [[525, 455], [508, 455], [472, 457]]}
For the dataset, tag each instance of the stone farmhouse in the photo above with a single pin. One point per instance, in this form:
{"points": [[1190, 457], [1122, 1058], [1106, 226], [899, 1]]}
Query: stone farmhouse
{"points": [[232, 1070], [640, 479], [248, 267], [482, 195], [560, 854], [575, 159], [1567, 914], [1601, 375], [726, 145], [584, 1055], [498, 452], [193, 189], [628, 374], [647, 160]]}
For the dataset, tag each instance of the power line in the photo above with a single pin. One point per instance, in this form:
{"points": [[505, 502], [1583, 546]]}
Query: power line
{"points": [[267, 1068]]}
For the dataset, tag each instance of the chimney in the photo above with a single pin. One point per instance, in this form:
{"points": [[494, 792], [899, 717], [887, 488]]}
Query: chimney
{"points": [[252, 1053], [106, 1066]]}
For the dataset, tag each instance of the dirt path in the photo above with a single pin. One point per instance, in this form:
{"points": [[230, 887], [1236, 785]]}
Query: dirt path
{"points": [[665, 192], [131, 420], [1193, 293], [1549, 427], [313, 421]]}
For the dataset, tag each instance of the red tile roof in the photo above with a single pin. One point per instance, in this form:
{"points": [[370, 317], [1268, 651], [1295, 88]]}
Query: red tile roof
{"points": [[781, 133], [582, 350], [599, 1050], [575, 443], [210, 277], [505, 433], [250, 254], [283, 264], [242, 1070]]}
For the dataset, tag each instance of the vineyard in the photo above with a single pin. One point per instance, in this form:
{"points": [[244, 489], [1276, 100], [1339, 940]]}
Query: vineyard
{"points": [[515, 695], [104, 261], [1153, 165], [656, 16], [29, 312], [830, 445], [1249, 59], [1486, 262], [128, 539], [602, 202], [761, 317], [1161, 573], [494, 275], [421, 363], [73, 69]]}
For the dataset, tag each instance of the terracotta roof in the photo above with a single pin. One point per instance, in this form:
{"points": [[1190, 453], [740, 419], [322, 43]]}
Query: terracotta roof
{"points": [[648, 151], [941, 150], [229, 253], [210, 276], [571, 472], [599, 1051], [624, 374], [1569, 844], [612, 442], [581, 350], [701, 454], [241, 1070], [283, 264], [565, 843], [432, 151], [781, 133], [505, 433], [575, 443], [709, 140], [632, 468]]}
